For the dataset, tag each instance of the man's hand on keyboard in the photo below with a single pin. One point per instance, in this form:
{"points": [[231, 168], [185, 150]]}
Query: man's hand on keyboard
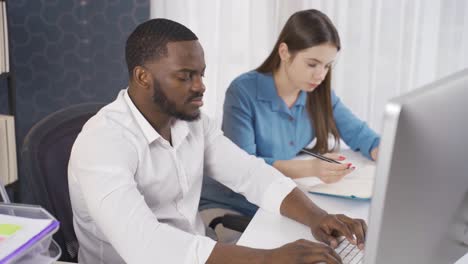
{"points": [[330, 227], [303, 251]]}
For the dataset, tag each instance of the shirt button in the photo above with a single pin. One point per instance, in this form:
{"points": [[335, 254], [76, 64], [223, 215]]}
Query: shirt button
{"points": [[291, 143]]}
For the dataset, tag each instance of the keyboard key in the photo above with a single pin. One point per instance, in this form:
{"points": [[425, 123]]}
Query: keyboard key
{"points": [[349, 253]]}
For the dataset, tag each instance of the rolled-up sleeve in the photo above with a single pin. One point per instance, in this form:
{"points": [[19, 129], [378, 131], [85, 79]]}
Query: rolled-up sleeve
{"points": [[260, 183], [355, 132], [105, 177]]}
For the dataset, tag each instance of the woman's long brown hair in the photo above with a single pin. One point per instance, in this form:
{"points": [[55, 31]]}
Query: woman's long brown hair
{"points": [[305, 29]]}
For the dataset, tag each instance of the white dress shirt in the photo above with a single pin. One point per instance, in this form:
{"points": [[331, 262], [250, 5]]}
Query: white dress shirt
{"points": [[135, 197]]}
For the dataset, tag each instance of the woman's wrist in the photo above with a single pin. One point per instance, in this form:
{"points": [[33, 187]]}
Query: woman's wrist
{"points": [[292, 168]]}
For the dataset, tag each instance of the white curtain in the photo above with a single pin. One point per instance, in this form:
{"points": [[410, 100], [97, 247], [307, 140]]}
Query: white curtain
{"points": [[388, 47]]}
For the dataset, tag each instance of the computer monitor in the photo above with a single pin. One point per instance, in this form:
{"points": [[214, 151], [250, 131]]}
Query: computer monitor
{"points": [[419, 210]]}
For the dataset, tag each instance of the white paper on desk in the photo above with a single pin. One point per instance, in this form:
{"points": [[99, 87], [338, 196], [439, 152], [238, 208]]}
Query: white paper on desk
{"points": [[357, 184], [29, 228]]}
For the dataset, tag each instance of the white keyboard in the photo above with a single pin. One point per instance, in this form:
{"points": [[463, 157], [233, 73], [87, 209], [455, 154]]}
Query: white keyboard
{"points": [[349, 253]]}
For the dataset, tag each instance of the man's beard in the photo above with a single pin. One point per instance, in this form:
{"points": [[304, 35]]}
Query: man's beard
{"points": [[169, 107]]}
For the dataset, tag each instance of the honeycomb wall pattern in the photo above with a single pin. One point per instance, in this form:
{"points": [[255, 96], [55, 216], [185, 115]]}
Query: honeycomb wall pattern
{"points": [[66, 52], [3, 97]]}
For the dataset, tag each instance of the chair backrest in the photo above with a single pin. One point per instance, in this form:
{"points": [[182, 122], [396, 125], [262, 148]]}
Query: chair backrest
{"points": [[44, 156]]}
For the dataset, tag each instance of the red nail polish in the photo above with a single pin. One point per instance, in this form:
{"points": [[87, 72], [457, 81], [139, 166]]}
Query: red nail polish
{"points": [[341, 157]]}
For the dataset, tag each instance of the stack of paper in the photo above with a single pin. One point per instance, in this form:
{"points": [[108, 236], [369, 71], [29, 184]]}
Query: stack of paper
{"points": [[18, 234], [356, 185]]}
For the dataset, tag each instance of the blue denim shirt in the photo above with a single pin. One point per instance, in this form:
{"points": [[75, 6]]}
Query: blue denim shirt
{"points": [[260, 122]]}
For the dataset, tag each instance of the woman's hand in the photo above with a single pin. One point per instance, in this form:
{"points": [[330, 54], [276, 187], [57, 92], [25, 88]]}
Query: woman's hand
{"points": [[329, 172], [375, 153]]}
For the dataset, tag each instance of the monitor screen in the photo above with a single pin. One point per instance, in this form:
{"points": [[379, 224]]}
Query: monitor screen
{"points": [[419, 210]]}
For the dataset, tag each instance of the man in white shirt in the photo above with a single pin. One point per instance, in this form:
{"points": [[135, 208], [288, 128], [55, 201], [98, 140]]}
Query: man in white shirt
{"points": [[135, 171]]}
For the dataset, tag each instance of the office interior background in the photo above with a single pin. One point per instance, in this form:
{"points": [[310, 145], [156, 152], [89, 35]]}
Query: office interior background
{"points": [[72, 51]]}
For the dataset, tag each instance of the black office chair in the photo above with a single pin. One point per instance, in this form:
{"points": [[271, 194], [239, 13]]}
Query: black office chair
{"points": [[232, 221], [217, 195], [44, 156]]}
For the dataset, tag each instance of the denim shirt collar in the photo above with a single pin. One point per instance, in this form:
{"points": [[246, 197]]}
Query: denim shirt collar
{"points": [[266, 91]]}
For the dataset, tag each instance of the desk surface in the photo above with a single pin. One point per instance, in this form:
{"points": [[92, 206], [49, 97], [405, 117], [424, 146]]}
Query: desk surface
{"points": [[260, 234], [267, 230]]}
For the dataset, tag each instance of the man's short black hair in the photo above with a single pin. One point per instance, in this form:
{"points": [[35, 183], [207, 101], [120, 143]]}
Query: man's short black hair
{"points": [[149, 41]]}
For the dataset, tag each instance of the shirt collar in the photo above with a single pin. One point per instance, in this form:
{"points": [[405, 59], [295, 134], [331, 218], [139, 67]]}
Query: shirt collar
{"points": [[267, 92], [150, 133], [179, 130], [266, 88], [301, 100]]}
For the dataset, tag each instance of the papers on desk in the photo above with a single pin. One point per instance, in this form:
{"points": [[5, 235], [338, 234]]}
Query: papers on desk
{"points": [[18, 234], [356, 185]]}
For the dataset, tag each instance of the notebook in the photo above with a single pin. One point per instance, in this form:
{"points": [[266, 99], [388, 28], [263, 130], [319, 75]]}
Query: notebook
{"points": [[356, 185], [18, 234]]}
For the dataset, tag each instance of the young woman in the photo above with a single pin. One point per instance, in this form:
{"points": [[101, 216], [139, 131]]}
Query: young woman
{"points": [[281, 107]]}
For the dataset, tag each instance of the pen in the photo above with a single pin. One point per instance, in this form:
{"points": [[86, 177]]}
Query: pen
{"points": [[318, 156]]}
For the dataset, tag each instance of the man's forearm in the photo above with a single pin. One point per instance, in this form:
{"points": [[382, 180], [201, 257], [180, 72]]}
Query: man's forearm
{"points": [[299, 207], [227, 254]]}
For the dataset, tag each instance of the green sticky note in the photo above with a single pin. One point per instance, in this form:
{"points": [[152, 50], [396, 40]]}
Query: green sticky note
{"points": [[8, 229]]}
